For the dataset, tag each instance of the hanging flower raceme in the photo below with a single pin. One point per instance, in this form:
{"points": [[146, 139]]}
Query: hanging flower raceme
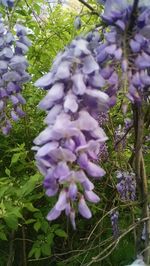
{"points": [[114, 222], [126, 186], [13, 74], [129, 49], [68, 149]]}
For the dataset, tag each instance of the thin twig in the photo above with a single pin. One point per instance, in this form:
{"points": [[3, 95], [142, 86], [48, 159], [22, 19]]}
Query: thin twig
{"points": [[89, 7]]}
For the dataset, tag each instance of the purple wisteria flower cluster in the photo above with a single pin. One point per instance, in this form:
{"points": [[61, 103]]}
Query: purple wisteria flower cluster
{"points": [[131, 50], [13, 74], [126, 186], [68, 149], [114, 222], [83, 84]]}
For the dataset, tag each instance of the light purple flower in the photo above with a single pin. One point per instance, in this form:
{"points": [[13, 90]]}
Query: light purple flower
{"points": [[91, 196], [83, 208], [53, 214]]}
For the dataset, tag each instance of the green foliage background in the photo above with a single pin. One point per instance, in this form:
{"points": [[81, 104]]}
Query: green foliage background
{"points": [[26, 238]]}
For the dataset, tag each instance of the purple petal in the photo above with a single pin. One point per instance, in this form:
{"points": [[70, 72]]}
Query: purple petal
{"points": [[91, 196], [72, 192], [54, 94], [86, 183], [89, 65], [118, 53], [80, 47], [44, 81], [86, 121], [11, 76], [14, 99], [63, 70], [97, 80], [69, 144], [145, 78], [72, 219], [17, 61], [68, 209], [62, 154], [94, 170], [21, 98], [121, 24], [70, 103], [61, 172], [6, 53], [111, 49], [53, 214], [79, 87], [143, 61], [3, 65], [44, 136], [107, 72], [52, 114], [83, 209], [20, 112], [101, 97], [21, 48], [62, 201], [14, 116], [51, 192], [99, 133], [135, 46], [44, 150]]}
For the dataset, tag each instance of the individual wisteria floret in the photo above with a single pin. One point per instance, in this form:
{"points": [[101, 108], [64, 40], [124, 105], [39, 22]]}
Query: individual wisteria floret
{"points": [[68, 149], [126, 186], [13, 74], [114, 222], [7, 3], [77, 23]]}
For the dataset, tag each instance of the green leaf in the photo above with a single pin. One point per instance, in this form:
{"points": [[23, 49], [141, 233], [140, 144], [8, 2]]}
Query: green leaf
{"points": [[50, 238], [15, 158], [29, 186], [11, 221], [30, 221], [37, 253], [21, 12], [46, 250], [29, 206], [3, 236], [7, 171], [2, 191], [44, 226], [37, 226], [61, 233], [31, 253]]}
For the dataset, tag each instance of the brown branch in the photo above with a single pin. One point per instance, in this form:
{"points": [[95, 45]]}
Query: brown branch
{"points": [[89, 7], [141, 178], [11, 249], [125, 134]]}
